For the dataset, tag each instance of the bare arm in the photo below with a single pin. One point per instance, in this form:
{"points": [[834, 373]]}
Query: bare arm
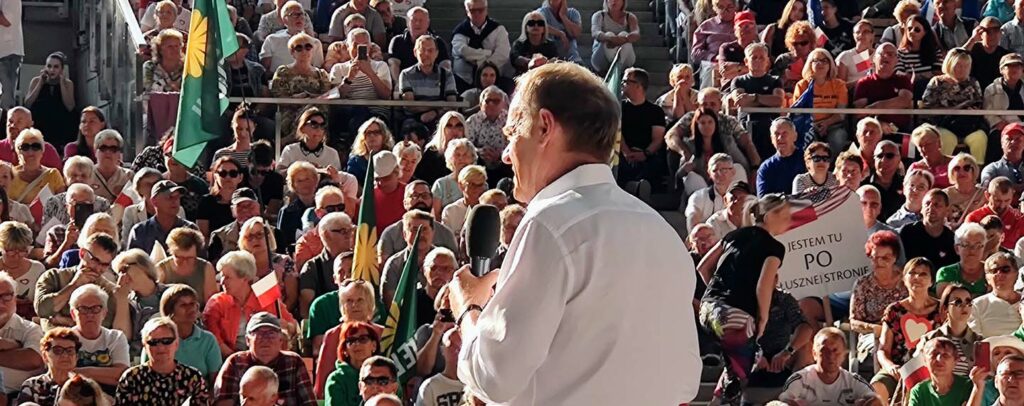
{"points": [[765, 287], [657, 139], [709, 263], [22, 359], [33, 90], [306, 297], [209, 282], [67, 94]]}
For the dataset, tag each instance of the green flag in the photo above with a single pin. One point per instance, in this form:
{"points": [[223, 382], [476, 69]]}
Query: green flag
{"points": [[211, 39], [364, 263], [397, 341]]}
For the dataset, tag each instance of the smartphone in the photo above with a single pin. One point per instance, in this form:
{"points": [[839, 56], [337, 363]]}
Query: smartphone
{"points": [[447, 315], [82, 213], [983, 355], [362, 52]]}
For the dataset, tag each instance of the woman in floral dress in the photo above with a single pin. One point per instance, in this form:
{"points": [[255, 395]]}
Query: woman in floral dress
{"points": [[299, 79]]}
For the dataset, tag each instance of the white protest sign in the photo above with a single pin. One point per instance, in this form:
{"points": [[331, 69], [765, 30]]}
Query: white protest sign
{"points": [[184, 20], [825, 247]]}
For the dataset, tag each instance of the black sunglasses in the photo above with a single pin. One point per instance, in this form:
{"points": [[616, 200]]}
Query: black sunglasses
{"points": [[35, 146], [113, 149], [819, 158], [335, 208], [160, 341], [1002, 269], [536, 23], [262, 172], [303, 47], [315, 124], [232, 173], [358, 340], [377, 380], [886, 155]]}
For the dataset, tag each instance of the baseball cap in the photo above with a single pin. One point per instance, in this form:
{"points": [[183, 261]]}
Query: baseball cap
{"points": [[262, 319], [744, 16], [384, 163], [740, 185], [1010, 59], [1013, 128], [1005, 341], [165, 186], [730, 52], [243, 194]]}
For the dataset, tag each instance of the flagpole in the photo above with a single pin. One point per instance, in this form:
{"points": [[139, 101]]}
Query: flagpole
{"points": [[270, 261]]}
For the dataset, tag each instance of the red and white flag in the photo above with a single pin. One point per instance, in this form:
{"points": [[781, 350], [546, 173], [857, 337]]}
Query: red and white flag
{"points": [[267, 290], [821, 37], [816, 202], [914, 371], [126, 198], [36, 207], [862, 61]]}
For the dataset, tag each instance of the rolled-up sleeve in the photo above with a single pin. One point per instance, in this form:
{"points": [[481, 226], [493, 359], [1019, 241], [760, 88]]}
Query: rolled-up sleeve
{"points": [[516, 329]]}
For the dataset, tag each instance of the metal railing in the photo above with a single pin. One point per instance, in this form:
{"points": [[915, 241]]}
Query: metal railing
{"points": [[882, 112]]}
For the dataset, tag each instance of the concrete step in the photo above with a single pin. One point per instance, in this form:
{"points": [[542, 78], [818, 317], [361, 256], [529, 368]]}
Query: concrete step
{"points": [[503, 13], [446, 23], [631, 5]]}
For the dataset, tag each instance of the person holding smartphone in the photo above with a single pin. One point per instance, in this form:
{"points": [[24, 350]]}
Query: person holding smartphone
{"points": [[51, 97], [361, 78]]}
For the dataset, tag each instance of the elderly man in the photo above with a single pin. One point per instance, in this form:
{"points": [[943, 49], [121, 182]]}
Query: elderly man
{"points": [[328, 199], [244, 206], [1011, 164], [325, 311], [19, 340], [985, 50], [868, 134], [59, 208], [19, 119], [55, 286], [104, 354], [930, 238], [826, 381], [776, 174], [378, 375], [870, 206], [734, 211], [1008, 381], [417, 197], [705, 202], [265, 338], [400, 52], [885, 88], [63, 211], [735, 138], [528, 344], [642, 148], [476, 40], [998, 200], [271, 22], [374, 22], [445, 387], [758, 88], [360, 79], [137, 213], [336, 232], [887, 179], [166, 198], [275, 52], [426, 80], [709, 37], [483, 128], [258, 387], [411, 221]]}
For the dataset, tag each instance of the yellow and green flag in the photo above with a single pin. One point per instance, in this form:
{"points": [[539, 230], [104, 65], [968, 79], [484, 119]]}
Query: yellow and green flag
{"points": [[400, 328], [364, 264], [211, 39]]}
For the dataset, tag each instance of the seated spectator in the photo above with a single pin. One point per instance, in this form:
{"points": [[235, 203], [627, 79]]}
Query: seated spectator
{"points": [[735, 139], [103, 356], [163, 72], [927, 140], [565, 24], [246, 78], [735, 213], [955, 307], [91, 122], [139, 287], [243, 125], [417, 197], [401, 55], [774, 35], [215, 208], [849, 170], [614, 30], [829, 92], [96, 223], [15, 245], [374, 22], [357, 303], [998, 198], [870, 206], [999, 93], [985, 51], [409, 155], [311, 146], [273, 22], [51, 96], [387, 190], [897, 344], [184, 266], [268, 183], [257, 238], [643, 135], [427, 81], [785, 347], [16, 211], [392, 270], [916, 184], [148, 17], [166, 198], [109, 177], [1012, 162], [30, 177], [303, 179], [241, 23], [372, 137], [534, 42], [943, 386], [165, 15], [704, 202], [459, 154], [359, 342], [259, 387], [300, 78], [873, 293], [194, 186], [509, 218], [838, 29], [361, 79], [329, 199], [20, 119], [394, 26], [800, 41], [709, 36], [681, 97], [378, 375], [1006, 372], [1013, 30], [919, 54], [904, 10], [886, 178], [162, 378], [316, 279], [484, 130], [487, 75], [996, 313], [994, 230], [60, 210], [197, 348], [444, 388], [965, 195], [826, 380], [472, 183], [264, 336], [884, 87], [950, 28], [478, 39], [53, 291], [730, 66], [434, 166], [955, 89], [776, 174], [847, 61], [817, 158], [59, 351], [1003, 10], [137, 213], [153, 156], [929, 237], [21, 338], [227, 310], [345, 50], [81, 390]]}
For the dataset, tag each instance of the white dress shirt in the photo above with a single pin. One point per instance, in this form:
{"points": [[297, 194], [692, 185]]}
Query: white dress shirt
{"points": [[993, 316], [593, 305], [276, 48]]}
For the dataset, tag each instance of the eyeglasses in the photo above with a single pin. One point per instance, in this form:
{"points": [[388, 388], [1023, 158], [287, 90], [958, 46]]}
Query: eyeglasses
{"points": [[110, 149], [377, 380], [335, 208], [819, 158], [303, 47], [89, 309], [960, 302], [1005, 269], [425, 195], [160, 341], [63, 351], [89, 256], [536, 23], [364, 339], [35, 146], [886, 155], [314, 124], [492, 101], [229, 173], [293, 15], [963, 168], [971, 246]]}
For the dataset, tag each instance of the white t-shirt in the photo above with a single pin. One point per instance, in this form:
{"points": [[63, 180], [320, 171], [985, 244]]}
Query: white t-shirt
{"points": [[276, 48], [27, 333], [26, 284], [440, 390], [293, 153], [110, 348], [806, 388], [453, 216], [848, 59]]}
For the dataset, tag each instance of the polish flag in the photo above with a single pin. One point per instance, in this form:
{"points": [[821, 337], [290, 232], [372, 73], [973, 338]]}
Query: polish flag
{"points": [[821, 37], [862, 61], [126, 198], [36, 207], [267, 290], [914, 371]]}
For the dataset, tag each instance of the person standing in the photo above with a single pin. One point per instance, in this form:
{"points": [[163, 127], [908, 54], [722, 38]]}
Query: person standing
{"points": [[12, 50]]}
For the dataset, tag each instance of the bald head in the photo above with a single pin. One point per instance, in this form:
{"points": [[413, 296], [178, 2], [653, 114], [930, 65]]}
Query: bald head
{"points": [[18, 119]]}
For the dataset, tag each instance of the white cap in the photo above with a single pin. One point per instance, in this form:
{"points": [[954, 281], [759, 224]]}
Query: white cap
{"points": [[384, 163]]}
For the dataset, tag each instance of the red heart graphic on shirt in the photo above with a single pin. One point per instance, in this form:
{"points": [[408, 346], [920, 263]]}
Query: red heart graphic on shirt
{"points": [[914, 327]]}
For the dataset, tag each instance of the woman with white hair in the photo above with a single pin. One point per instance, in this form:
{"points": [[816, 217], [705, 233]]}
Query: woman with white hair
{"points": [[614, 30], [459, 154], [77, 170], [139, 286], [451, 126], [231, 308], [109, 176], [162, 379], [409, 156], [533, 41], [965, 195], [472, 184], [257, 238], [484, 128], [15, 246], [970, 270], [30, 177], [104, 352]]}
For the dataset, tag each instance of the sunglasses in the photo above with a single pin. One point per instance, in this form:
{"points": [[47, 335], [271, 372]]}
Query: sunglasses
{"points": [[960, 303], [303, 47], [231, 173], [335, 208], [886, 155], [111, 149], [1005, 269], [90, 309], [160, 341], [358, 340], [917, 30], [316, 125], [377, 380], [492, 101], [62, 351], [454, 125], [963, 168], [535, 23], [261, 172], [35, 146], [293, 15], [819, 158]]}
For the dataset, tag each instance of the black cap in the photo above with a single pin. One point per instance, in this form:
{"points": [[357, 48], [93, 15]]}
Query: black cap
{"points": [[165, 186], [741, 185], [730, 52], [242, 194]]}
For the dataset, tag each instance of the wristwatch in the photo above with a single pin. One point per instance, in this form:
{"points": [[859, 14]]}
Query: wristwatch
{"points": [[790, 349], [346, 81], [466, 312]]}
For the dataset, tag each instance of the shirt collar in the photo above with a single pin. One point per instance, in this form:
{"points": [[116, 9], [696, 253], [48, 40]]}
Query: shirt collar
{"points": [[583, 175]]}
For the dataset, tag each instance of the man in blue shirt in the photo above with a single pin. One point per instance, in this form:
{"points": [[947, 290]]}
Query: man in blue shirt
{"points": [[166, 196], [775, 175]]}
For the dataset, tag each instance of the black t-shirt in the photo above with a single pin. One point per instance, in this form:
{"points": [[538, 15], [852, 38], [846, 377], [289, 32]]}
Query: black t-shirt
{"points": [[698, 291], [735, 281], [918, 243], [983, 64], [212, 210], [892, 198], [272, 188], [840, 38], [637, 122], [763, 85]]}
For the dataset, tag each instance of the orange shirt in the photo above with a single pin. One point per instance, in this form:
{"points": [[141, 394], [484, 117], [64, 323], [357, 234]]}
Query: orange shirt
{"points": [[829, 94], [223, 315]]}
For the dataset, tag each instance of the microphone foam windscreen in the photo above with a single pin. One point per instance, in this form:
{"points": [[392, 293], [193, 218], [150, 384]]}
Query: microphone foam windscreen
{"points": [[482, 231]]}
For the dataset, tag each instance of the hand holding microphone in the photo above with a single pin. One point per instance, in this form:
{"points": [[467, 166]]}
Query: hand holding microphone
{"points": [[472, 285]]}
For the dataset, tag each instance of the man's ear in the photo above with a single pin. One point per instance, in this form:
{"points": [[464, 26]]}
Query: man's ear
{"points": [[546, 124]]}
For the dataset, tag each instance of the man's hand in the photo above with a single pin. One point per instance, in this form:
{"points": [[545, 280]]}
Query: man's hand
{"points": [[7, 344], [779, 361], [466, 289], [439, 327], [83, 277]]}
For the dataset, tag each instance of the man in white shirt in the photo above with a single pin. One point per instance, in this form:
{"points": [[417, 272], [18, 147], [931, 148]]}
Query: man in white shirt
{"points": [[566, 325], [275, 52], [476, 40], [706, 201], [1008, 381], [826, 382], [12, 50], [738, 199], [19, 340], [445, 387]]}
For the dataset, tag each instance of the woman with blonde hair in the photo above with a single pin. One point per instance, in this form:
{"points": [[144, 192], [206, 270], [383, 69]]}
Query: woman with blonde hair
{"points": [[303, 179], [459, 154], [956, 89], [927, 140], [433, 166], [163, 73], [965, 194], [614, 30], [774, 34], [30, 177], [800, 40], [15, 247], [533, 40], [681, 97], [109, 176], [257, 238], [830, 93], [373, 136], [299, 79], [185, 266]]}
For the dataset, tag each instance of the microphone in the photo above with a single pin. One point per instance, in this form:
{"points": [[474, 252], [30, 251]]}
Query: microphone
{"points": [[482, 237]]}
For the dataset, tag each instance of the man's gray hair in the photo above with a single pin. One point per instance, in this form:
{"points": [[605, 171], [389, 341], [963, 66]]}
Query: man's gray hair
{"points": [[417, 9], [264, 375], [439, 252], [492, 89], [966, 230], [88, 290], [886, 143], [882, 46], [332, 220], [865, 189], [783, 122], [8, 279]]}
